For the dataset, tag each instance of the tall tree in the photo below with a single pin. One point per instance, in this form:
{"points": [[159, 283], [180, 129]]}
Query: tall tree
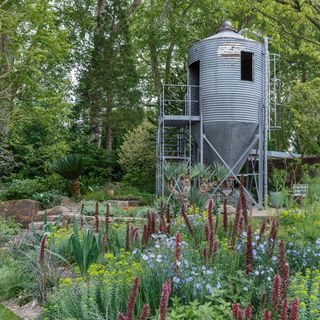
{"points": [[110, 81]]}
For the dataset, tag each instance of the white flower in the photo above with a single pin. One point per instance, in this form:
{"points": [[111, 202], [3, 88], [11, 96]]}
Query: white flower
{"points": [[145, 257], [245, 289]]}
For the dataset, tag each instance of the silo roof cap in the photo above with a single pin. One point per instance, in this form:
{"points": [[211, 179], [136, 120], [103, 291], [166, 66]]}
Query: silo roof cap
{"points": [[226, 27], [226, 31]]}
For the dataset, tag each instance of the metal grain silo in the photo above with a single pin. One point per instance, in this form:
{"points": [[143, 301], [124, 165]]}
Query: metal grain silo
{"points": [[229, 70]]}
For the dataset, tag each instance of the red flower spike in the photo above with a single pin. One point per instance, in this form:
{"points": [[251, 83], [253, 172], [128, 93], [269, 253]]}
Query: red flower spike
{"points": [[267, 315], [107, 218], [283, 268], [273, 235], [236, 311], [168, 218], [127, 245], [121, 317], [164, 299], [211, 242], [263, 227], [42, 247], [248, 313], [284, 310], [294, 309], [96, 214], [207, 232], [241, 224], [187, 221], [177, 252], [249, 254], [132, 299], [145, 235], [276, 292], [243, 202], [145, 312], [225, 216], [235, 225], [205, 255], [210, 215], [153, 223]]}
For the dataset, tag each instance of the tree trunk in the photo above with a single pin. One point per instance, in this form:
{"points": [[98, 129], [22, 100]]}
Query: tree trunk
{"points": [[109, 129], [6, 91]]}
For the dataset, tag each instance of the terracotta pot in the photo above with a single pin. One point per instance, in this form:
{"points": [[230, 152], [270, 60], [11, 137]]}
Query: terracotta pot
{"points": [[110, 192]]}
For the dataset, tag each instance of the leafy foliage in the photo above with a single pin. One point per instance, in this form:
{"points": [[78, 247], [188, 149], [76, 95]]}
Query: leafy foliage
{"points": [[70, 166], [85, 249], [137, 156]]}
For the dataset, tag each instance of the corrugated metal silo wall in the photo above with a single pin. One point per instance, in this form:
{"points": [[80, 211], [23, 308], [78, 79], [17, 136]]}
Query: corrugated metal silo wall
{"points": [[230, 105]]}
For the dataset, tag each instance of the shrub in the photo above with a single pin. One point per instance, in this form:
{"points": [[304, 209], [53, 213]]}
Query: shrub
{"points": [[26, 188], [8, 228], [47, 199], [137, 156], [218, 309]]}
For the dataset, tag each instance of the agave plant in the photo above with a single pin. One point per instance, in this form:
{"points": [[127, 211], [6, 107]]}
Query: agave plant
{"points": [[86, 248], [70, 167]]}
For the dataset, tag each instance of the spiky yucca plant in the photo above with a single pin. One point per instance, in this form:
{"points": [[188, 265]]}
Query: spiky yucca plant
{"points": [[70, 167]]}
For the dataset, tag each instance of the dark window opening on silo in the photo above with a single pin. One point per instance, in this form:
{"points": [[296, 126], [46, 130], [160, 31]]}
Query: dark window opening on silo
{"points": [[246, 66], [194, 81]]}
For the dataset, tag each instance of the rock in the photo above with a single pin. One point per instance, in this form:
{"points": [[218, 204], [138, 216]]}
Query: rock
{"points": [[230, 209], [134, 203], [119, 204], [22, 211], [55, 211]]}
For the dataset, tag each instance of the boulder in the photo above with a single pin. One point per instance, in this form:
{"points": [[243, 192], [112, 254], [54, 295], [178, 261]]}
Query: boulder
{"points": [[22, 211], [230, 209], [119, 204], [55, 211]]}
